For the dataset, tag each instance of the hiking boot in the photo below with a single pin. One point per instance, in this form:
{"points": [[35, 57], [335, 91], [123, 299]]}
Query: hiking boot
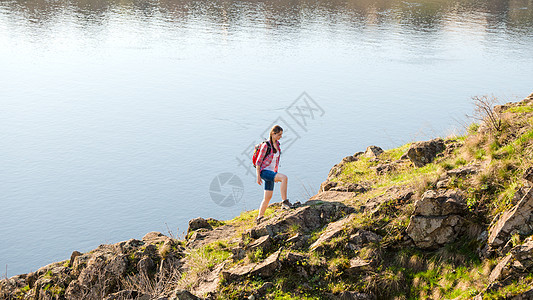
{"points": [[285, 204]]}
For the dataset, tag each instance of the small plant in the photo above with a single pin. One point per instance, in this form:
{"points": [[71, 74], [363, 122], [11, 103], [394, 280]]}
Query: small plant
{"points": [[473, 128], [483, 112], [255, 256], [515, 239], [460, 162]]}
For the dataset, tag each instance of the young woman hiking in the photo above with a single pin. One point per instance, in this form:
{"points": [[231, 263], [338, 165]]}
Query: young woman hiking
{"points": [[267, 169]]}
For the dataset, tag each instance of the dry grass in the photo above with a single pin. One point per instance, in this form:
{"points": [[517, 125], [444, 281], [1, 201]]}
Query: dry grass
{"points": [[159, 285]]}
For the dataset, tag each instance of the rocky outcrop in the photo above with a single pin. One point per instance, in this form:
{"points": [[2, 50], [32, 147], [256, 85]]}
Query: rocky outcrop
{"points": [[437, 219], [517, 220], [422, 153], [313, 215], [101, 273]]}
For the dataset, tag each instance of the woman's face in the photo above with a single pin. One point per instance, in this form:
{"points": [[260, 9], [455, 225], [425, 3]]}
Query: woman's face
{"points": [[277, 136]]}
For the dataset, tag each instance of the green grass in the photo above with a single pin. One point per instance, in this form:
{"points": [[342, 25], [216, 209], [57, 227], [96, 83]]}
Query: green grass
{"points": [[520, 109], [396, 153], [513, 289], [361, 171]]}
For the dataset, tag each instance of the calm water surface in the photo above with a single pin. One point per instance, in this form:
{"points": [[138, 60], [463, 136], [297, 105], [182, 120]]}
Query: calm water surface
{"points": [[115, 116]]}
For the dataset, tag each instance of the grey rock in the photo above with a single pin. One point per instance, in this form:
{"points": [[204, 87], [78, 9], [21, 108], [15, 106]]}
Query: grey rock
{"points": [[118, 265], [335, 171], [439, 203], [73, 257], [373, 151], [333, 230], [437, 218], [155, 237], [309, 217], [517, 219], [203, 236], [443, 183], [463, 171], [349, 159], [422, 153], [431, 232], [516, 263], [198, 223], [327, 185], [264, 243], [146, 265], [269, 266], [348, 187], [297, 241], [358, 265], [293, 257], [262, 290], [127, 246], [237, 272], [238, 253], [363, 237], [170, 263], [264, 269], [382, 169]]}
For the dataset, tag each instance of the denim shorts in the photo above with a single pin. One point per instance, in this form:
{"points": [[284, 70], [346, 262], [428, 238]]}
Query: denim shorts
{"points": [[268, 176]]}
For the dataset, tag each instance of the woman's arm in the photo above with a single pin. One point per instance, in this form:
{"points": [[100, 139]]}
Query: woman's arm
{"points": [[258, 169]]}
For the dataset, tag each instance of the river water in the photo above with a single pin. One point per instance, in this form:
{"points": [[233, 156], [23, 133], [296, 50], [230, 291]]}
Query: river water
{"points": [[118, 118]]}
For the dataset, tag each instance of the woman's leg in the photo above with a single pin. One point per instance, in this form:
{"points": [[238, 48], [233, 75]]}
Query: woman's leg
{"points": [[284, 182], [264, 204]]}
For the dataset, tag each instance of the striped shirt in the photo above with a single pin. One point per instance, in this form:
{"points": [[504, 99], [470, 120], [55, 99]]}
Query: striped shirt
{"points": [[264, 162]]}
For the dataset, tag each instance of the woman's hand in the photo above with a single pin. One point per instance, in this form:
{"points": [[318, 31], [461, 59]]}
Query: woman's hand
{"points": [[259, 181]]}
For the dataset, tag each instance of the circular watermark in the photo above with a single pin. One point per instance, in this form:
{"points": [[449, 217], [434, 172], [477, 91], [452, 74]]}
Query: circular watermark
{"points": [[226, 189]]}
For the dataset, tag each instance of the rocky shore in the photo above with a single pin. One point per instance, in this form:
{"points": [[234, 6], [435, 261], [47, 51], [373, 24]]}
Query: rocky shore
{"points": [[441, 219]]}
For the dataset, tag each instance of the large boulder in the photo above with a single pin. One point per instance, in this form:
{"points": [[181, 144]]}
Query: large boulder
{"points": [[422, 153], [518, 219], [437, 219]]}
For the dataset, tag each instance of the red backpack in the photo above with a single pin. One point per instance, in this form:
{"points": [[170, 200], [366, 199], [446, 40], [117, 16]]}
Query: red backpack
{"points": [[256, 151]]}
